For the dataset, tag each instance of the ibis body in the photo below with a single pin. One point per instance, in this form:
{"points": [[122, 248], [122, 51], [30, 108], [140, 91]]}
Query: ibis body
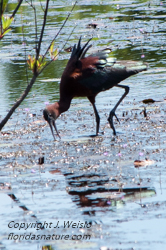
{"points": [[86, 76]]}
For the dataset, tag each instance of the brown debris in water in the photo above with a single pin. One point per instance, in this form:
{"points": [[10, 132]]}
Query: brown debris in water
{"points": [[143, 163]]}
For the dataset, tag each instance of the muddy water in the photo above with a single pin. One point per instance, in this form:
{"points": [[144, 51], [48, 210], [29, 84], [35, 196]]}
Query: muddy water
{"points": [[90, 181]]}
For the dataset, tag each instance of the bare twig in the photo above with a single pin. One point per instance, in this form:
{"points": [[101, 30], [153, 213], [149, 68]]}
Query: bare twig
{"points": [[41, 6], [24, 44], [42, 30], [61, 28], [36, 32], [16, 9], [1, 4], [18, 102], [47, 64]]}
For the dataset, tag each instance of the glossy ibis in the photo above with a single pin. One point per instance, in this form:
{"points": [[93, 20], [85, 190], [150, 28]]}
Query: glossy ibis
{"points": [[88, 76]]}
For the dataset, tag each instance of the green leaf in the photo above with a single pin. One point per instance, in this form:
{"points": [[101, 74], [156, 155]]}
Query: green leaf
{"points": [[53, 53], [6, 31], [31, 62], [52, 47], [40, 63], [3, 4], [6, 22]]}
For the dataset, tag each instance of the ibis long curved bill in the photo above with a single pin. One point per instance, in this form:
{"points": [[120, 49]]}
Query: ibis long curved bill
{"points": [[51, 121]]}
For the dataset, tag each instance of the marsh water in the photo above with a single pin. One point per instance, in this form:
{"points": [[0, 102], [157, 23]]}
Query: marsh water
{"points": [[99, 192]]}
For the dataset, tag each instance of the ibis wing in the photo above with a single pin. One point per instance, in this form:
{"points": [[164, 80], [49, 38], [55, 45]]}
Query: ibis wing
{"points": [[98, 72], [109, 73]]}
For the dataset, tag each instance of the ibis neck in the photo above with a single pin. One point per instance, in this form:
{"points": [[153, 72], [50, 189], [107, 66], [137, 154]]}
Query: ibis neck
{"points": [[64, 104]]}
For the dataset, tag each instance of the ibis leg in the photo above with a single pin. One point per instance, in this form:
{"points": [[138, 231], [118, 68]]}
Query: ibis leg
{"points": [[92, 100], [112, 113], [97, 119]]}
